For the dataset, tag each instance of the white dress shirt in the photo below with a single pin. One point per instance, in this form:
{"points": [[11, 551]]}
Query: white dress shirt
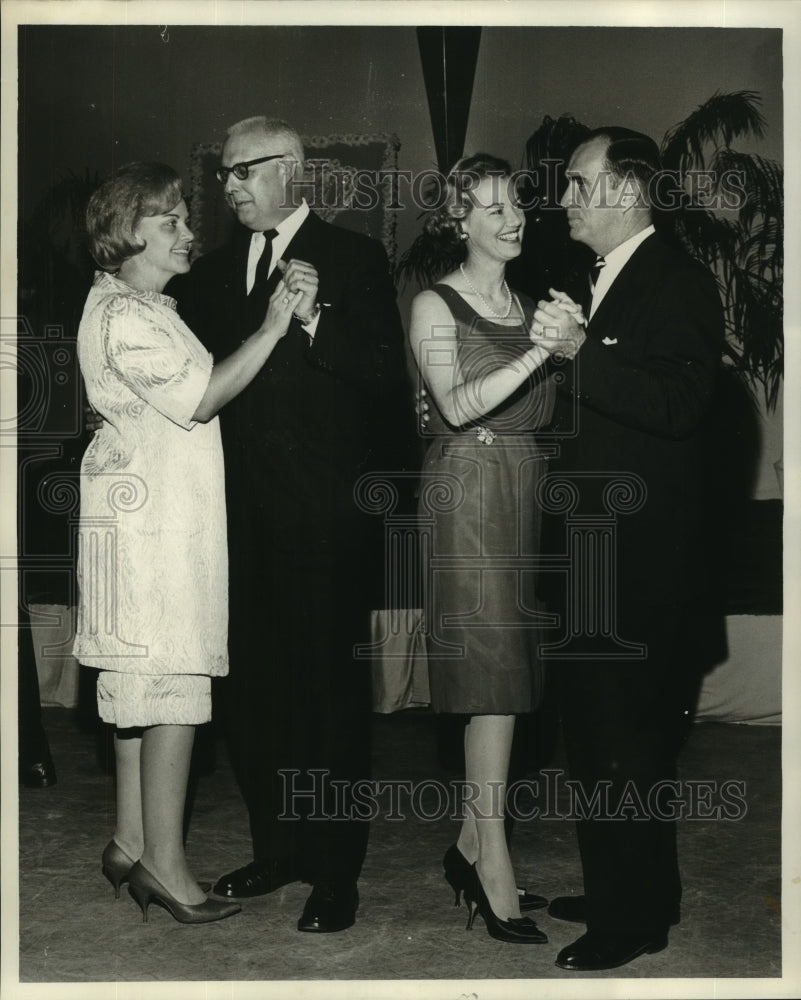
{"points": [[615, 261], [286, 230]]}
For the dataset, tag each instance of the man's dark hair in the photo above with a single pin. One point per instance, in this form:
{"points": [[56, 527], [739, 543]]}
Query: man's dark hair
{"points": [[629, 153]]}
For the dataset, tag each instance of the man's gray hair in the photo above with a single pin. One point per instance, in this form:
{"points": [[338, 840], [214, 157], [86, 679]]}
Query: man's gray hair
{"points": [[272, 128]]}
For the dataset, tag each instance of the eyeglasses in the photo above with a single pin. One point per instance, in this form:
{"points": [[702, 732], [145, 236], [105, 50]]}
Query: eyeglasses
{"points": [[241, 170]]}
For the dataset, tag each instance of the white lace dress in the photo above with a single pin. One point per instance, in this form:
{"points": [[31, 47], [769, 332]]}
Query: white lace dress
{"points": [[152, 555]]}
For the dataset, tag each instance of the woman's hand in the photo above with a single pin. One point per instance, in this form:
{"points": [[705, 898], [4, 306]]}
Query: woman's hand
{"points": [[421, 409], [231, 375], [459, 400], [556, 329], [300, 276], [92, 420], [279, 310]]}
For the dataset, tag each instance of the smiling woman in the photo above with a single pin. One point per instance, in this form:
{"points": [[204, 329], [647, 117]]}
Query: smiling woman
{"points": [[167, 241], [153, 605], [471, 338]]}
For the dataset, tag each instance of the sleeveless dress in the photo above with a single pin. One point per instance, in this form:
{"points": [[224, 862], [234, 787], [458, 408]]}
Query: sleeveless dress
{"points": [[478, 511]]}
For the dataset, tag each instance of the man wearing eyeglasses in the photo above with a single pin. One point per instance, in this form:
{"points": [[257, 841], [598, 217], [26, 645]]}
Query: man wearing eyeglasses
{"points": [[297, 703]]}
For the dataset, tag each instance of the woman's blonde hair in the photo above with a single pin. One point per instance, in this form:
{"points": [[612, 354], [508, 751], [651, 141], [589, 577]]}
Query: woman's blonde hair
{"points": [[136, 191], [445, 224]]}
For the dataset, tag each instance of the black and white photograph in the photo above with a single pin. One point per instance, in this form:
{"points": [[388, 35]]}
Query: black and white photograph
{"points": [[400, 499]]}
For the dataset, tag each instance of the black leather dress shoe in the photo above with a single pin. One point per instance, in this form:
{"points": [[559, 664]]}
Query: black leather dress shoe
{"points": [[255, 879], [591, 953], [41, 774], [329, 908], [574, 909]]}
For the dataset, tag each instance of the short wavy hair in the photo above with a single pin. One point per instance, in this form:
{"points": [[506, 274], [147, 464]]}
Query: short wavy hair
{"points": [[628, 153], [136, 191], [445, 224]]}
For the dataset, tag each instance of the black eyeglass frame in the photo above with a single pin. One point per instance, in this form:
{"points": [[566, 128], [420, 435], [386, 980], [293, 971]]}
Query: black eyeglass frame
{"points": [[241, 170]]}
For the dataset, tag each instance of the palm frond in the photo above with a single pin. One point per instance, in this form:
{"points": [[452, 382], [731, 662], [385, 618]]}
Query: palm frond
{"points": [[762, 252], [752, 184], [756, 309], [555, 139], [738, 232], [715, 122], [707, 237]]}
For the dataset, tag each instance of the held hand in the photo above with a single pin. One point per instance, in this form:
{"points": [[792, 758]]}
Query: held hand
{"points": [[563, 300], [556, 329], [92, 420], [279, 310], [300, 276], [421, 409]]}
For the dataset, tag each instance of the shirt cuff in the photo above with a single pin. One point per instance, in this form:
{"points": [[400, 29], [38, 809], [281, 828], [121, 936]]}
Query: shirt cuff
{"points": [[311, 326]]}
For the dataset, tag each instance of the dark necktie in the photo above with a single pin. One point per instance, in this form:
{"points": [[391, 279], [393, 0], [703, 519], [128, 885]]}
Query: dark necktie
{"points": [[263, 263], [263, 284], [592, 280]]}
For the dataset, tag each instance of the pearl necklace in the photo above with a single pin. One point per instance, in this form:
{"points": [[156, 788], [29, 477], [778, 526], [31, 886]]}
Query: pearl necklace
{"points": [[490, 311]]}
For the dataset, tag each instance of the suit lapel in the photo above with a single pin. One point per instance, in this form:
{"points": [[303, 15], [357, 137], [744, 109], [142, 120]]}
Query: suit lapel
{"points": [[306, 243], [309, 244], [240, 248], [615, 305]]}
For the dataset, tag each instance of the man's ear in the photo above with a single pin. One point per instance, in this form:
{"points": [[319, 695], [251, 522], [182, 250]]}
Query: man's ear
{"points": [[289, 168], [629, 194]]}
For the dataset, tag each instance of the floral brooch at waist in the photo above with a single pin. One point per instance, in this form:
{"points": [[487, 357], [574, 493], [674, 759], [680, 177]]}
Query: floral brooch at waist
{"points": [[485, 435]]}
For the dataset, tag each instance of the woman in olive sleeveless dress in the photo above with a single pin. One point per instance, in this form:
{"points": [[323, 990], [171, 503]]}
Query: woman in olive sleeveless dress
{"points": [[485, 375], [482, 654]]}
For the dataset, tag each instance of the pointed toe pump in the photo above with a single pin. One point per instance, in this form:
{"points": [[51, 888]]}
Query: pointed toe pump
{"points": [[515, 930], [458, 874], [146, 889]]}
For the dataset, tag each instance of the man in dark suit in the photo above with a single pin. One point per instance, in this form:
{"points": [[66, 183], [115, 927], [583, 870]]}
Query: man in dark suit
{"points": [[634, 412], [303, 555]]}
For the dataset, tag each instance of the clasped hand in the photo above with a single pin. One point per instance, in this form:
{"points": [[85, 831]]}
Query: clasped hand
{"points": [[300, 276], [558, 325], [283, 303]]}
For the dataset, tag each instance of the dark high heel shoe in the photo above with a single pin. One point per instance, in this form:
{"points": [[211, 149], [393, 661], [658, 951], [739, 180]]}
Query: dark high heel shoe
{"points": [[146, 889], [458, 873], [116, 865], [516, 930]]}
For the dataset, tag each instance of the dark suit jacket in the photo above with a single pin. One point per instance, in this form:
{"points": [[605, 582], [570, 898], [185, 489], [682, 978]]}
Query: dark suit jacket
{"points": [[637, 401], [318, 415]]}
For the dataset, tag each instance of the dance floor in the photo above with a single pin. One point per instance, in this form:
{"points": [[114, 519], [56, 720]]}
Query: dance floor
{"points": [[72, 930]]}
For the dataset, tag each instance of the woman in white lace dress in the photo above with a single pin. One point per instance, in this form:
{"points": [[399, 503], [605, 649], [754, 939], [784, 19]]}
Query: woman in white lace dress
{"points": [[152, 564]]}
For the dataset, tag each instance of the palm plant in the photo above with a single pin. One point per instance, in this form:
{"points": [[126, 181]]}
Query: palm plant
{"points": [[743, 245]]}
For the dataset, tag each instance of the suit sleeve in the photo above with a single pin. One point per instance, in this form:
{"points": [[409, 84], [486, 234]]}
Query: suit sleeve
{"points": [[197, 296], [667, 391], [359, 336]]}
